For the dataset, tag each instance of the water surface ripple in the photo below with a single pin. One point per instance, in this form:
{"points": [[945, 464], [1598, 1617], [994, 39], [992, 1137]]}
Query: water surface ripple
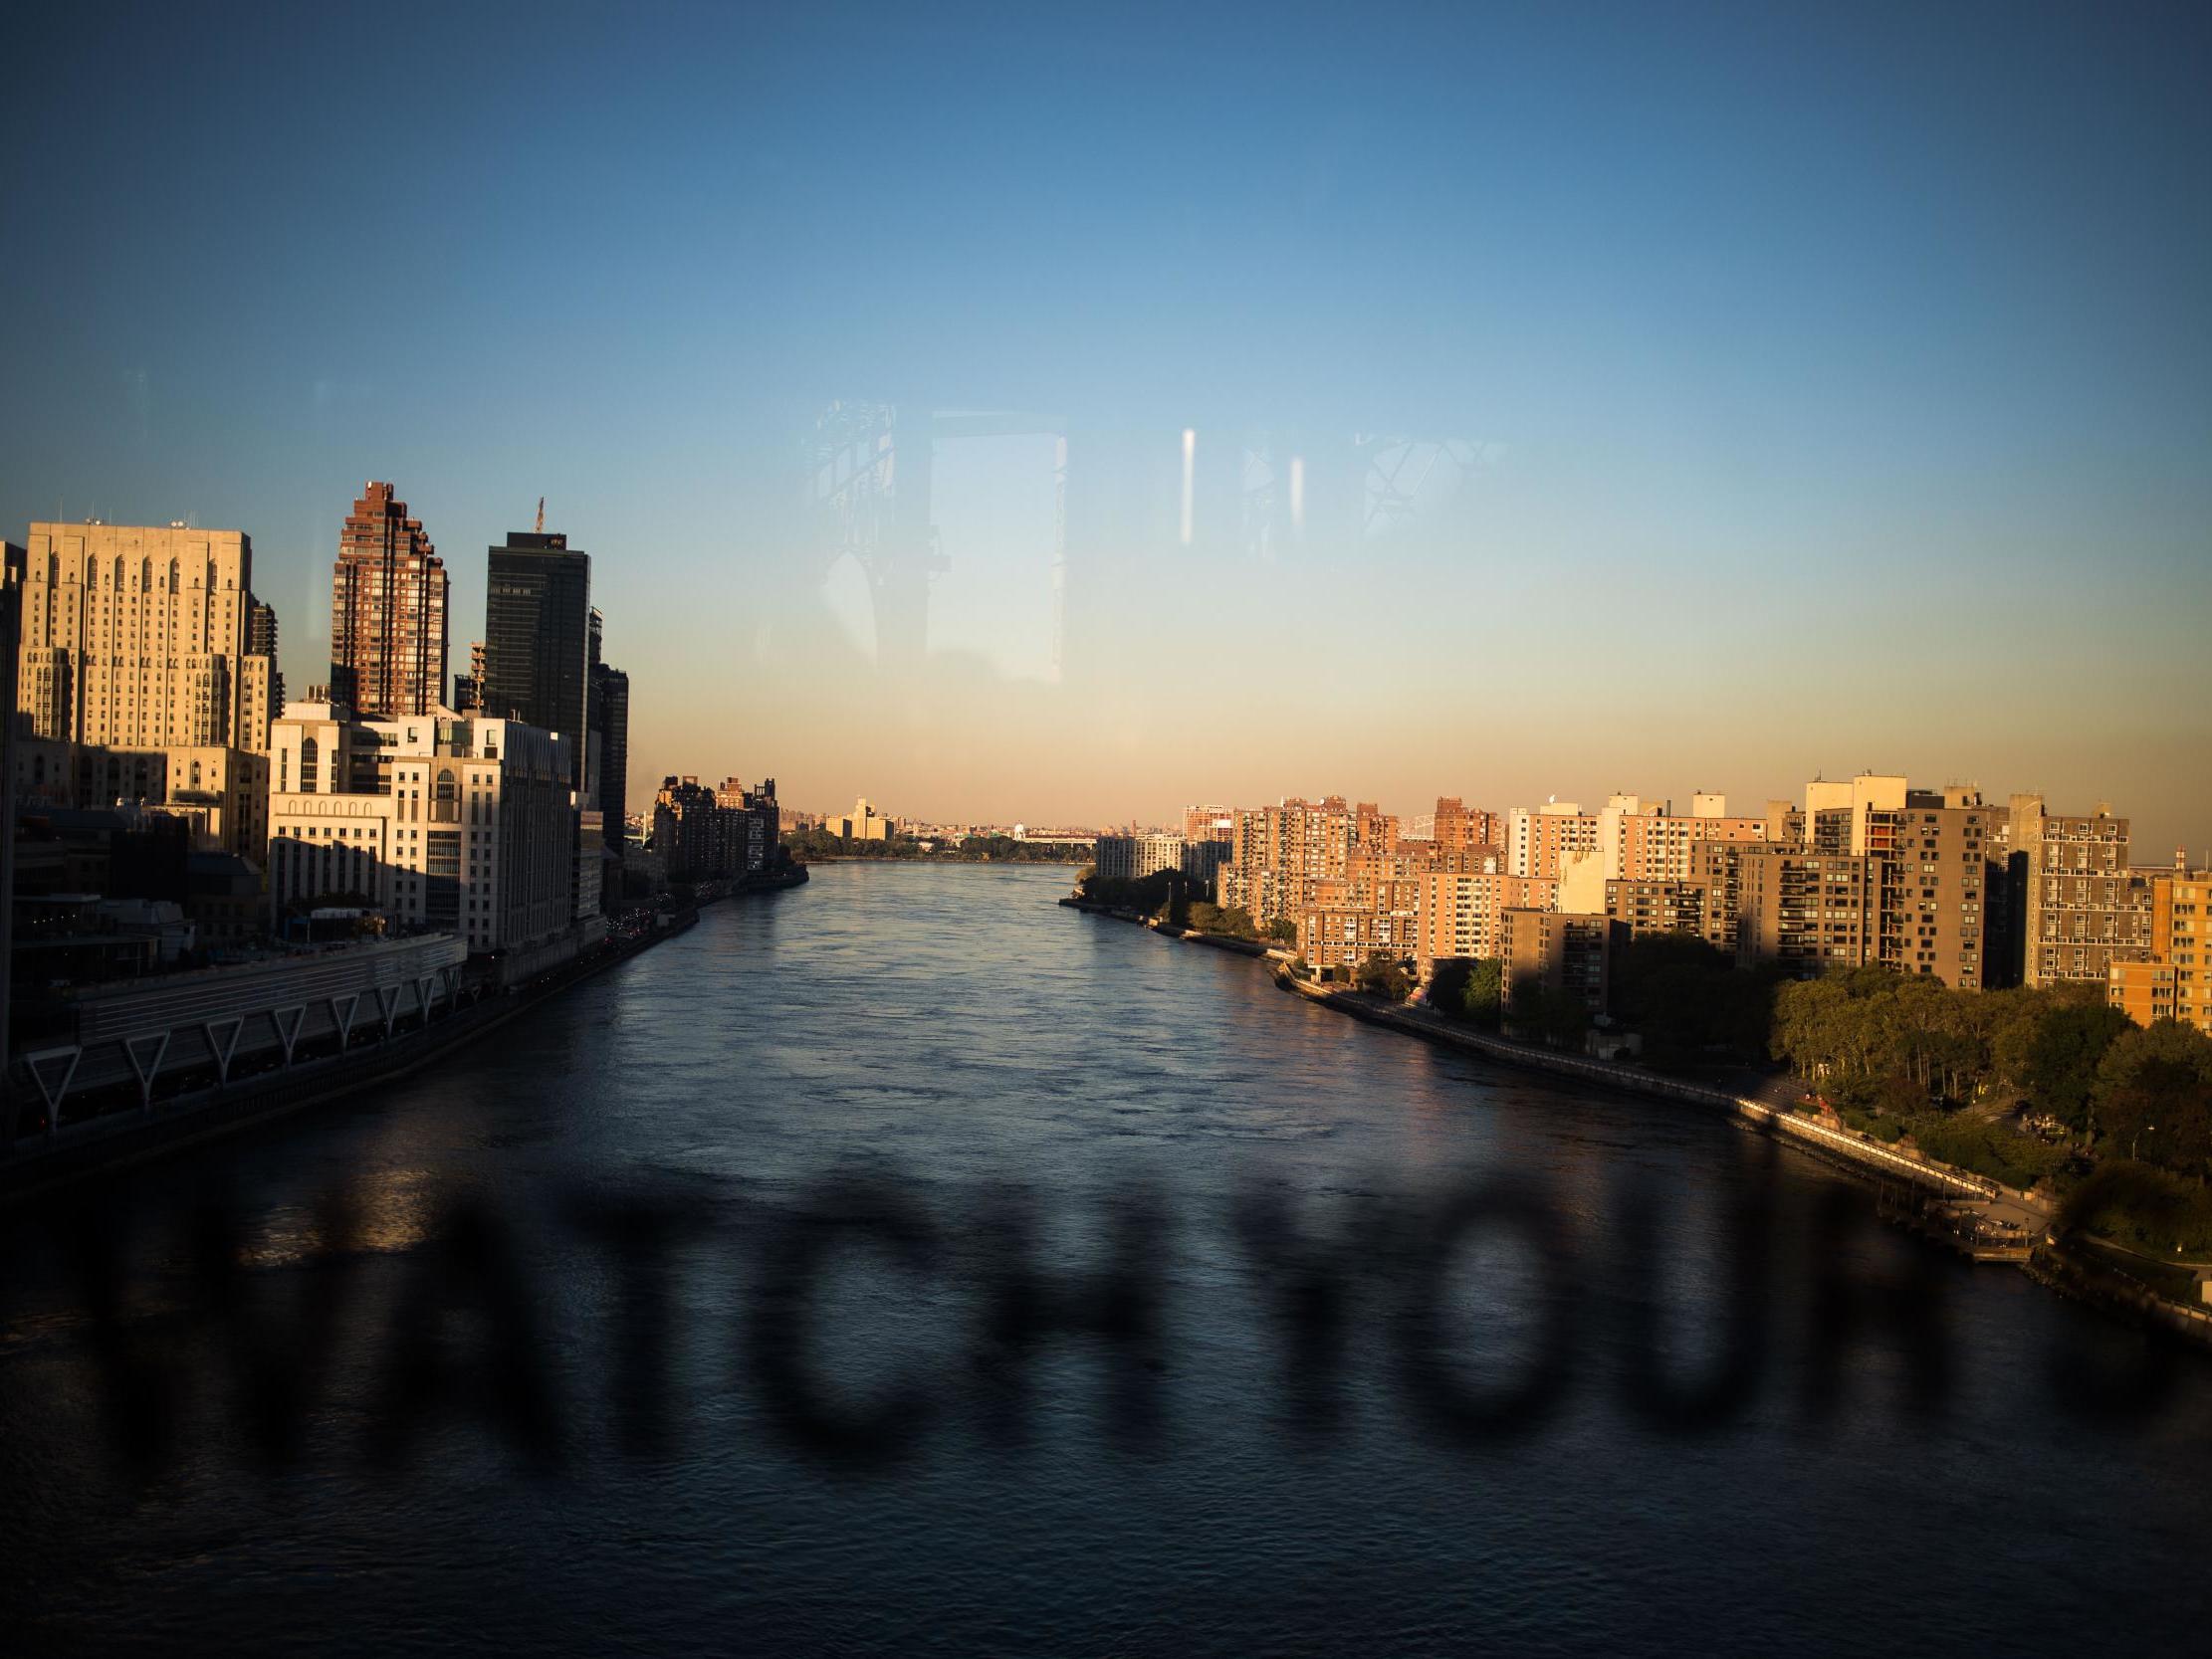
{"points": [[955, 1038]]}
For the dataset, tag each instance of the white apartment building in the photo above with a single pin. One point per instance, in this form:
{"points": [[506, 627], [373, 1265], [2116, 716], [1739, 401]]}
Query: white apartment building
{"points": [[1539, 839], [1133, 856], [442, 820]]}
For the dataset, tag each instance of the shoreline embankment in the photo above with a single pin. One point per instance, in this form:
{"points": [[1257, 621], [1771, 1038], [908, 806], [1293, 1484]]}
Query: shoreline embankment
{"points": [[37, 1170], [1942, 1188]]}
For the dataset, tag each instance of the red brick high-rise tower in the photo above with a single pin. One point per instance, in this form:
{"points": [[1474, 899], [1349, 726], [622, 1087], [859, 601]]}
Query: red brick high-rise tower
{"points": [[388, 611]]}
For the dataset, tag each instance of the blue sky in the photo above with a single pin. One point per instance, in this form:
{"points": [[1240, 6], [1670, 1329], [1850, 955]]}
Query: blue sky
{"points": [[1844, 374]]}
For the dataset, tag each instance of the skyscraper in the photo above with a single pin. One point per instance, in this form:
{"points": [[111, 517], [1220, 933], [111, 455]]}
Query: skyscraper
{"points": [[140, 637], [537, 638], [610, 745], [261, 640], [467, 689], [388, 611], [137, 677]]}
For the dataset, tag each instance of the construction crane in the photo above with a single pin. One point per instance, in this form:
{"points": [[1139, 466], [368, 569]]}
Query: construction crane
{"points": [[541, 515]]}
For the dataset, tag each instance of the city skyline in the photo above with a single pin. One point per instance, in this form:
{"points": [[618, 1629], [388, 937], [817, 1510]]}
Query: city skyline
{"points": [[981, 827], [1785, 410], [2180, 813]]}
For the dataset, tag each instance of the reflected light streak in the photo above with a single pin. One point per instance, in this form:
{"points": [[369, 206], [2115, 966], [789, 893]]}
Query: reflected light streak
{"points": [[1190, 473]]}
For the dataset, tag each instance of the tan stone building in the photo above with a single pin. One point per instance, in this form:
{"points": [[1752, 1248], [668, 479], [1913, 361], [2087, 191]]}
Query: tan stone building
{"points": [[138, 677], [1374, 909], [138, 637]]}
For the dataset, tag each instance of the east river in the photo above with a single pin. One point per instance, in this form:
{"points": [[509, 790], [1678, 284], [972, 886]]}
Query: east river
{"points": [[875, 1269]]}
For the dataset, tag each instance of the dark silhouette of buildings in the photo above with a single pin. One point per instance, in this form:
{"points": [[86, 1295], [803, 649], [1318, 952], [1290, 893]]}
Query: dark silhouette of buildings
{"points": [[537, 638], [261, 640], [610, 743]]}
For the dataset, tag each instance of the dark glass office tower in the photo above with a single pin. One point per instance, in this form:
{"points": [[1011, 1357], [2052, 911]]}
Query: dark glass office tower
{"points": [[610, 745], [536, 637]]}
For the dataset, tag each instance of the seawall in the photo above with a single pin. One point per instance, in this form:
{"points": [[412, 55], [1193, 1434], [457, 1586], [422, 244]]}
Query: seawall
{"points": [[121, 1140], [1838, 1146], [1861, 1155]]}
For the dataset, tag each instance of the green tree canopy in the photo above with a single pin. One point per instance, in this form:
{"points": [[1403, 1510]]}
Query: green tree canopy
{"points": [[2065, 1056], [1384, 977], [1482, 998]]}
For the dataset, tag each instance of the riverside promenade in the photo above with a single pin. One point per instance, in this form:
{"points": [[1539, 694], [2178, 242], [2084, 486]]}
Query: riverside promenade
{"points": [[64, 1153], [1770, 1114], [60, 1154]]}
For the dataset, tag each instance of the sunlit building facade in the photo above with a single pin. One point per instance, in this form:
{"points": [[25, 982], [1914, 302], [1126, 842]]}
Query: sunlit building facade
{"points": [[388, 611]]}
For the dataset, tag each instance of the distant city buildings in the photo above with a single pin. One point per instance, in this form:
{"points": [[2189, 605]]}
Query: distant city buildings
{"points": [[1869, 871], [703, 834], [152, 724], [1208, 823], [1460, 909], [763, 821], [1453, 826], [1203, 860], [611, 740], [174, 804], [862, 823], [1646, 906], [1808, 911]]}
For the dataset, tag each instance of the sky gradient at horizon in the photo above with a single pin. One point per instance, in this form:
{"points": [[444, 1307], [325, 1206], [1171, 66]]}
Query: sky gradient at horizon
{"points": [[1834, 389]]}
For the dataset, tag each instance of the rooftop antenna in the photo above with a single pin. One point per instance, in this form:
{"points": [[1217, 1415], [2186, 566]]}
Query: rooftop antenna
{"points": [[541, 515]]}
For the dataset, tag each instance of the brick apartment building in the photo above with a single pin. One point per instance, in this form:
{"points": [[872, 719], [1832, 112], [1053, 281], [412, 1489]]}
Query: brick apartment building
{"points": [[1558, 951], [2174, 980]]}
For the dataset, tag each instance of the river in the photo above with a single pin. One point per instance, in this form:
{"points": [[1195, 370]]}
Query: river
{"points": [[832, 1108]]}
